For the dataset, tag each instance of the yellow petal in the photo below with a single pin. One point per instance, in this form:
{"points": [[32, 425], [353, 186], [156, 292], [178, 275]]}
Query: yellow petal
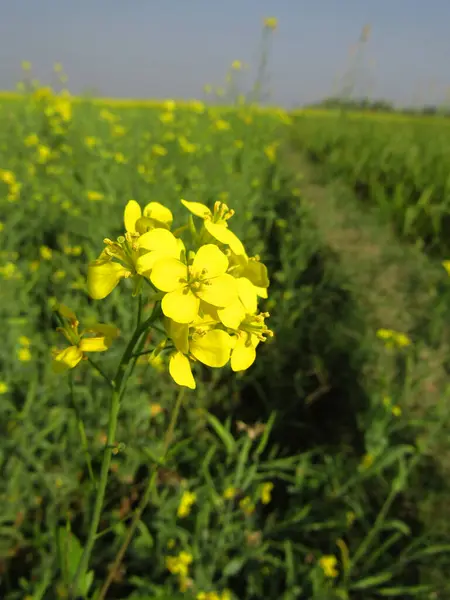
{"points": [[180, 305], [212, 349], [178, 333], [221, 233], [67, 359], [247, 294], [197, 208], [159, 239], [159, 212], [180, 370], [233, 315], [243, 354], [102, 278], [94, 344], [169, 274], [256, 272], [131, 215], [446, 265], [211, 260], [220, 291]]}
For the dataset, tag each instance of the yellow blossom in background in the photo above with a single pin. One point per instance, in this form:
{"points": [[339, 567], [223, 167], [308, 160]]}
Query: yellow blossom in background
{"points": [[393, 339], [24, 354], [328, 564], [446, 265], [236, 65], [396, 411], [2, 226], [4, 388], [24, 341], [229, 493], [179, 565], [247, 505], [186, 503], [90, 141], [43, 153], [271, 23], [266, 492], [45, 252], [26, 65], [94, 196], [31, 140]]}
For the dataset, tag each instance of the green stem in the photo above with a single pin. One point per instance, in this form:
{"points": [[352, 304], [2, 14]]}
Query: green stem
{"points": [[119, 383], [144, 500]]}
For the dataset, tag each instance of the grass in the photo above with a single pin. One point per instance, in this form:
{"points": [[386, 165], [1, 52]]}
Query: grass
{"points": [[307, 469]]}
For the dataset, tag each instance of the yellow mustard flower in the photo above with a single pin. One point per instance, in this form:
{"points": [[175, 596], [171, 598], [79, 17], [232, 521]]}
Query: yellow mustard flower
{"points": [[179, 565], [31, 140], [96, 338], [44, 153], [24, 354], [266, 492], [446, 265], [197, 341], [216, 223], [24, 341], [247, 505], [185, 285], [251, 332], [4, 388], [187, 500], [105, 273], [236, 65], [328, 564], [230, 493], [270, 23], [94, 196], [393, 339], [7, 177], [45, 252], [138, 221]]}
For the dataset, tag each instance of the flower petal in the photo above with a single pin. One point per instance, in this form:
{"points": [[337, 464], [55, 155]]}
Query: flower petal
{"points": [[220, 232], [212, 348], [219, 291], [243, 354], [102, 278], [211, 260], [131, 215], [233, 315], [198, 209], [180, 370], [180, 305], [94, 344], [67, 359], [159, 212], [169, 274], [256, 272], [247, 294], [161, 240], [179, 334]]}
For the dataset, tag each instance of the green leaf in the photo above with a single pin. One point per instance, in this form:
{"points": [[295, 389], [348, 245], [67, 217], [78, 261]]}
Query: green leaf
{"points": [[410, 590], [234, 566], [228, 440], [373, 581]]}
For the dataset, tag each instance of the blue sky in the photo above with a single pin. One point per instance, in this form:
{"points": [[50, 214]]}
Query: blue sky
{"points": [[171, 48]]}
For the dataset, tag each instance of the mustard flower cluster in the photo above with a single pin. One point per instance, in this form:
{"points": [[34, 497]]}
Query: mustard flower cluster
{"points": [[208, 286]]}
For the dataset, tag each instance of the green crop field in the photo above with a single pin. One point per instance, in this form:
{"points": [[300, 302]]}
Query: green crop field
{"points": [[260, 414]]}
